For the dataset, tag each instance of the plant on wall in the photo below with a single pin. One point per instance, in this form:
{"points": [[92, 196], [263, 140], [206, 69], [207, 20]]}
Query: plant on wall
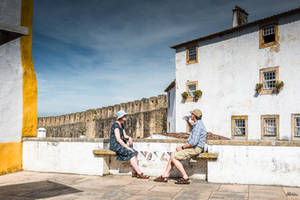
{"points": [[278, 85], [197, 94], [258, 87], [184, 95]]}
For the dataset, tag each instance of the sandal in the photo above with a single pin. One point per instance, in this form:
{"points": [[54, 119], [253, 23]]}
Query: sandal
{"points": [[183, 181], [161, 179], [142, 176], [133, 174]]}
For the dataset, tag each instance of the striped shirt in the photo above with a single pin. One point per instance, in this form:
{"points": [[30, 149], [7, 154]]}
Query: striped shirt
{"points": [[198, 135]]}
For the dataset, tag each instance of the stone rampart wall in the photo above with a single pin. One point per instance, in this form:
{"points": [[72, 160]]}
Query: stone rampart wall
{"points": [[145, 117]]}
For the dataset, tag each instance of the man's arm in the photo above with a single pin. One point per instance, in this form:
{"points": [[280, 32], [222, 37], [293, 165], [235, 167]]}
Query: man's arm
{"points": [[189, 124], [194, 138]]}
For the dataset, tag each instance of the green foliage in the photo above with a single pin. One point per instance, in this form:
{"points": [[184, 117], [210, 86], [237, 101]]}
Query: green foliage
{"points": [[279, 84], [184, 95], [258, 87], [197, 94]]}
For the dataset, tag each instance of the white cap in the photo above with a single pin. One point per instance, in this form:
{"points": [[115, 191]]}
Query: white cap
{"points": [[121, 113]]}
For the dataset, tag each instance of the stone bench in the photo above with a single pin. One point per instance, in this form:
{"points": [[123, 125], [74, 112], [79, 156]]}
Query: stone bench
{"points": [[107, 152]]}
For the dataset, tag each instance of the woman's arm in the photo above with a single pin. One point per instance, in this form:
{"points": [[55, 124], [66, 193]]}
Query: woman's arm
{"points": [[120, 141], [127, 137]]}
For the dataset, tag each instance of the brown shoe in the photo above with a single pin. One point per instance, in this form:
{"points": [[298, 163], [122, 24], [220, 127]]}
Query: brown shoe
{"points": [[183, 181], [161, 179], [133, 174], [142, 176]]}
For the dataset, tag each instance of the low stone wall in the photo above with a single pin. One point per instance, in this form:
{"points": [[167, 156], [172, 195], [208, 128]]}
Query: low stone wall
{"points": [[62, 155], [243, 162], [146, 116], [75, 155], [255, 162]]}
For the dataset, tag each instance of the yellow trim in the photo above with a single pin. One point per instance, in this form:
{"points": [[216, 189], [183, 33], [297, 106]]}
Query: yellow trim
{"points": [[189, 83], [254, 143], [261, 78], [188, 61], [245, 117], [10, 157], [277, 118], [261, 40], [294, 116], [29, 79]]}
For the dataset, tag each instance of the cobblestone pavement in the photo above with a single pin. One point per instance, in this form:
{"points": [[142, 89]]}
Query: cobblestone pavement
{"points": [[52, 186]]}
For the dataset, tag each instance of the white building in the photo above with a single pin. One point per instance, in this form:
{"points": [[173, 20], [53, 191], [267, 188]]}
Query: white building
{"points": [[18, 87], [171, 115], [229, 65]]}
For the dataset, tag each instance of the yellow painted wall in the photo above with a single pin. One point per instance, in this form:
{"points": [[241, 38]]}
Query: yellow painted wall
{"points": [[11, 152], [29, 79], [10, 157]]}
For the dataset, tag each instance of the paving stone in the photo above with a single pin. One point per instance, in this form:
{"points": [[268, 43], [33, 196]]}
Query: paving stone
{"points": [[125, 187], [229, 195], [165, 189], [158, 194], [142, 197], [292, 193], [234, 188], [193, 195], [266, 193]]}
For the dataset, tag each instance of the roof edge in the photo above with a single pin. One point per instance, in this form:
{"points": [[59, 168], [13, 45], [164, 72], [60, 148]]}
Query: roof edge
{"points": [[171, 85], [232, 30]]}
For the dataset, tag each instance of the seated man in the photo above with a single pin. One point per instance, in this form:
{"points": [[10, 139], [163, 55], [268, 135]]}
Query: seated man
{"points": [[194, 146]]}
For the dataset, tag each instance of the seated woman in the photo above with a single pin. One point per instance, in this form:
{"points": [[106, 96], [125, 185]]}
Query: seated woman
{"points": [[118, 144]]}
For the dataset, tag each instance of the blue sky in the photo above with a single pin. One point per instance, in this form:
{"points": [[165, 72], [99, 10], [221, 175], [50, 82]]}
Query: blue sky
{"points": [[90, 54]]}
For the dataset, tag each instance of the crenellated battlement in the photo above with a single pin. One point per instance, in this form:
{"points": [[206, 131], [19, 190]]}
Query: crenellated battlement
{"points": [[145, 116]]}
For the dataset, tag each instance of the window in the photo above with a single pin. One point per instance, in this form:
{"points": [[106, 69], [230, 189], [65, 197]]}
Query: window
{"points": [[191, 87], [268, 35], [296, 126], [270, 126], [269, 80], [239, 127], [191, 55], [268, 77], [191, 90]]}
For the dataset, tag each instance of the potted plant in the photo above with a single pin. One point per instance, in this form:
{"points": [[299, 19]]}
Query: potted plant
{"points": [[184, 95], [197, 94], [258, 87], [278, 85]]}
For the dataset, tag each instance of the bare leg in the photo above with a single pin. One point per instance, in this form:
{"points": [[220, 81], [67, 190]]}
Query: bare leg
{"points": [[134, 164], [133, 170], [179, 166], [168, 168]]}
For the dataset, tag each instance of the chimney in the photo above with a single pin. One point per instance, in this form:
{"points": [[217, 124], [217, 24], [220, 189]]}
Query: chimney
{"points": [[239, 17]]}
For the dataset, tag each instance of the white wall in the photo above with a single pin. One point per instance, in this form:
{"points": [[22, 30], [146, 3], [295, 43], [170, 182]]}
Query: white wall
{"points": [[69, 156], [76, 156], [227, 71], [153, 158], [171, 110], [269, 165], [10, 12], [11, 100]]}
